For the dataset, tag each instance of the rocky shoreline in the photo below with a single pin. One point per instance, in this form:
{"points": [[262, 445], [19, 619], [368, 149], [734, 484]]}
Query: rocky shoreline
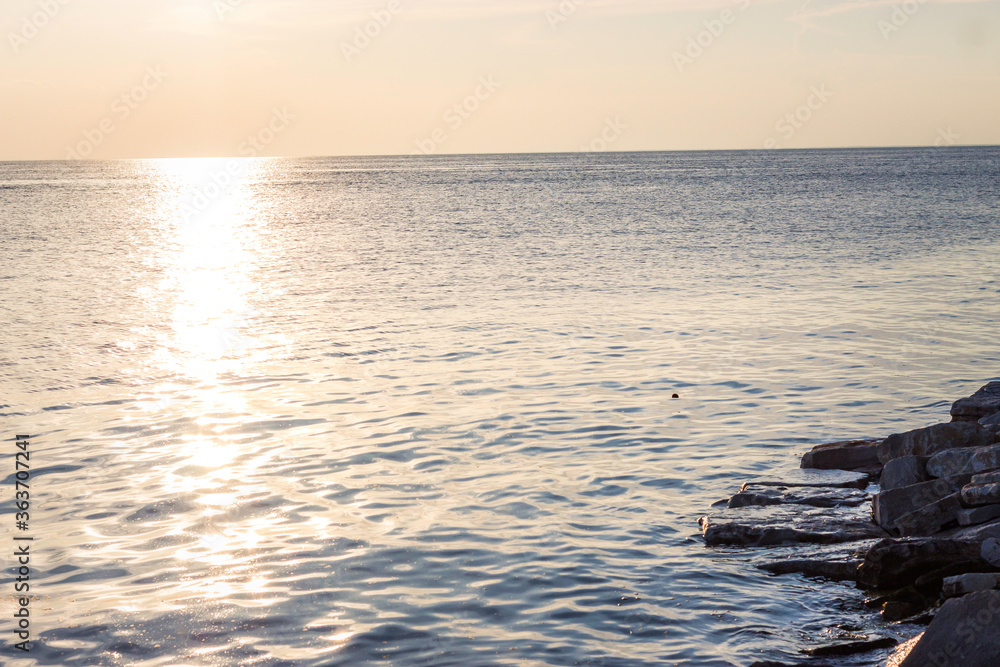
{"points": [[913, 520]]}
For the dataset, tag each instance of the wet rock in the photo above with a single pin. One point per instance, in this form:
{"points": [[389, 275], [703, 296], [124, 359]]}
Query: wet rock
{"points": [[904, 471], [896, 563], [895, 611], [852, 648], [933, 439], [812, 496], [930, 519], [983, 403], [835, 571], [814, 478], [960, 461], [966, 633], [784, 525], [889, 506], [978, 515], [970, 583], [846, 455], [976, 495]]}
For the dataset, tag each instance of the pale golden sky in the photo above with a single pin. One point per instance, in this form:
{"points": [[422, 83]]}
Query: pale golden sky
{"points": [[187, 78]]}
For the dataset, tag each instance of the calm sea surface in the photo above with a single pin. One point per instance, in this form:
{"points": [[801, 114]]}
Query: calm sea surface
{"points": [[417, 411]]}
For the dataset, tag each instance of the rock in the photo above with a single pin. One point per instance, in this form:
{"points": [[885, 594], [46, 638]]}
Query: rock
{"points": [[933, 439], [962, 461], [978, 515], [904, 471], [975, 495], [965, 633], [978, 534], [991, 423], [895, 611], [930, 519], [897, 563], [990, 552], [785, 525], [852, 648], [835, 571], [813, 478], [889, 506], [970, 583], [847, 455], [931, 583], [812, 496], [986, 478], [983, 403]]}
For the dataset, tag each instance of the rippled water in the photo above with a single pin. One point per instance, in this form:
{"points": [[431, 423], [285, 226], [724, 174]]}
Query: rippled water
{"points": [[418, 411]]}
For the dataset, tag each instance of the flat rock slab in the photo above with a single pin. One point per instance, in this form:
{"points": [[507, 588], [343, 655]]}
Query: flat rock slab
{"points": [[783, 525], [846, 455], [810, 478], [986, 478], [974, 461], [904, 471], [933, 439], [978, 515], [893, 564], [970, 583], [930, 519], [983, 403], [965, 633], [851, 648], [889, 506], [976, 495], [811, 496], [833, 570]]}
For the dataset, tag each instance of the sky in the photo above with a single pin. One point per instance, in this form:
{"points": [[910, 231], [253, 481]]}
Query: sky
{"points": [[108, 79]]}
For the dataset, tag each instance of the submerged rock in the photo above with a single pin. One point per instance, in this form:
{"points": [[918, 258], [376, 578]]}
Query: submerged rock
{"points": [[904, 471], [784, 525], [961, 461], [983, 403], [814, 478], [835, 571], [846, 455], [812, 496], [965, 633], [889, 506], [852, 648], [933, 439]]}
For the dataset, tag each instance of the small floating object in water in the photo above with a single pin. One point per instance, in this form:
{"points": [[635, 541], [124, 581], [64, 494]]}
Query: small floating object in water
{"points": [[676, 396]]}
